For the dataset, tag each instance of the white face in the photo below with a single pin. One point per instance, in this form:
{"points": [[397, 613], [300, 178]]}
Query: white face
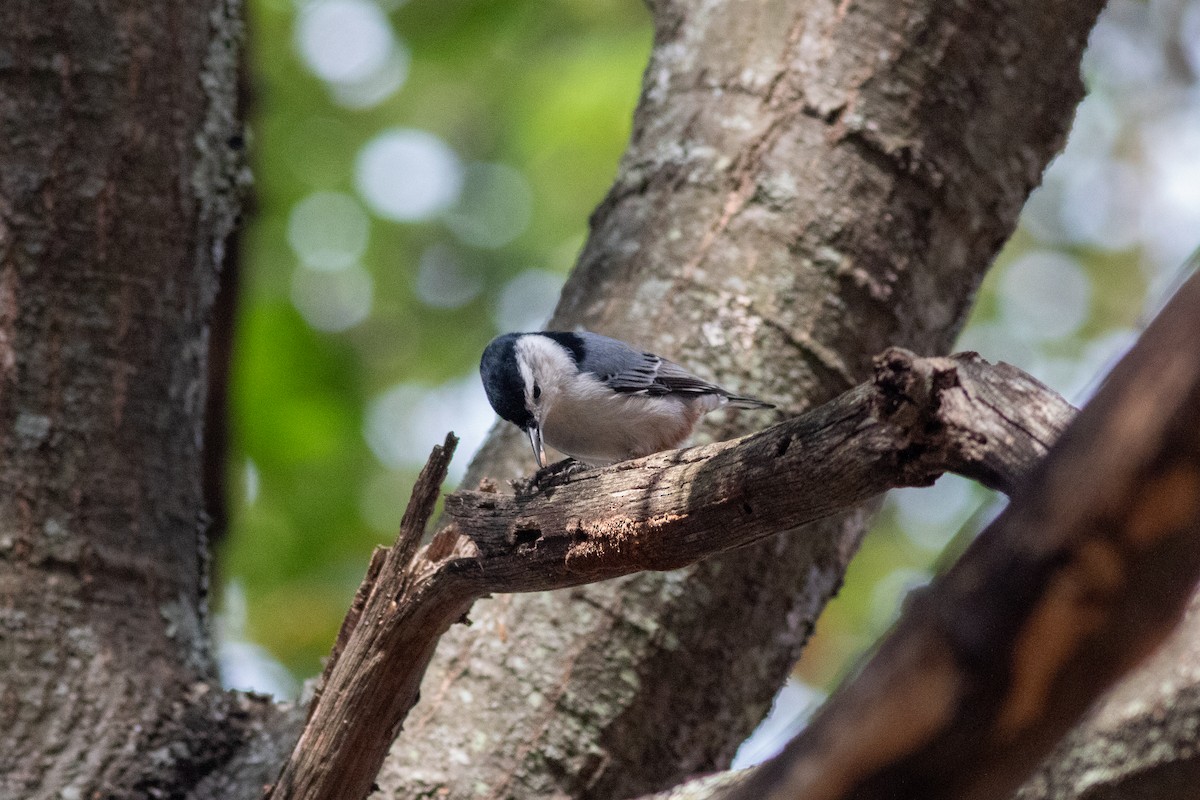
{"points": [[533, 388], [544, 367]]}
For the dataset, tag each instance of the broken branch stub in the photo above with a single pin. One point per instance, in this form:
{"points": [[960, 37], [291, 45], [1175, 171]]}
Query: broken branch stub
{"points": [[918, 418]]}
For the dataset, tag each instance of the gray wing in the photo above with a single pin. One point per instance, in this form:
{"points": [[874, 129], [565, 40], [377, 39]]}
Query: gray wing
{"points": [[626, 369]]}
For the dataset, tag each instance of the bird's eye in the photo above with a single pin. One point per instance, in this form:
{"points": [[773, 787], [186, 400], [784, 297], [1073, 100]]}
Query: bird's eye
{"points": [[537, 391]]}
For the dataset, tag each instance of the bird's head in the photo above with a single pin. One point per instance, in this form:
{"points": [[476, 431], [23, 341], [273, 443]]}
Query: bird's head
{"points": [[523, 374]]}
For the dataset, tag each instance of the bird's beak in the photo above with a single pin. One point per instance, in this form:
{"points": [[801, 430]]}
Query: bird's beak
{"points": [[535, 441]]}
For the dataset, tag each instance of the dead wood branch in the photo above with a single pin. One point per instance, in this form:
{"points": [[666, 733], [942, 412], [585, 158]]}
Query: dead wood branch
{"points": [[1083, 575], [917, 419], [373, 676]]}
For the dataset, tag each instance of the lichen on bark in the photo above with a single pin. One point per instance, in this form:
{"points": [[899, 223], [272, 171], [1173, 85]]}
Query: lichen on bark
{"points": [[806, 184]]}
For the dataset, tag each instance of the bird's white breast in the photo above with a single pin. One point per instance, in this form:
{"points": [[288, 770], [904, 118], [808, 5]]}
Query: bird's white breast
{"points": [[593, 424]]}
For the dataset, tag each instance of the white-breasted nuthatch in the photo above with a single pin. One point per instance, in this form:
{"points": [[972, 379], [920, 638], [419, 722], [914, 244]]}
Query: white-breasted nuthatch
{"points": [[594, 398]]}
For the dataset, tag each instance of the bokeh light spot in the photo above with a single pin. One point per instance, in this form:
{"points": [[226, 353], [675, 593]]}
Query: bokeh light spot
{"points": [[494, 207], [1171, 212], [380, 84], [443, 281], [408, 175], [251, 482], [790, 712], [333, 301], [1044, 295], [244, 665], [526, 302], [405, 422], [931, 516], [343, 40], [328, 230]]}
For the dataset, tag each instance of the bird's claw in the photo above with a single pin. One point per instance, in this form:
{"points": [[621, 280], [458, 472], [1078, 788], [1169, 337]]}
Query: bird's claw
{"points": [[551, 475]]}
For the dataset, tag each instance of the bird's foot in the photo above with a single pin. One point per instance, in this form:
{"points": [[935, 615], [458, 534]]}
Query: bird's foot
{"points": [[559, 471], [550, 475]]}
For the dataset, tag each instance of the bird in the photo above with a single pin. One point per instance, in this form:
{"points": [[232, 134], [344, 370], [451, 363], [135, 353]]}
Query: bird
{"points": [[595, 398]]}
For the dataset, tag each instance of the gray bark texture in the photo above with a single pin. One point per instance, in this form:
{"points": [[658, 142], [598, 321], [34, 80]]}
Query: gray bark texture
{"points": [[1085, 573], [118, 190], [807, 184], [916, 419]]}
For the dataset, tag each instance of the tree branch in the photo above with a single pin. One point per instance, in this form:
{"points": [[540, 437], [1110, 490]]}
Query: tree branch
{"points": [[1140, 742], [806, 184], [372, 678], [917, 419], [1080, 578]]}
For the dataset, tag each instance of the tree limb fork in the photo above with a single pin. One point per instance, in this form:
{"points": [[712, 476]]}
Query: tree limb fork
{"points": [[918, 418], [1082, 576]]}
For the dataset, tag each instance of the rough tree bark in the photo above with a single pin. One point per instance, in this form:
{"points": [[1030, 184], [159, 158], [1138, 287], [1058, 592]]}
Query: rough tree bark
{"points": [[807, 184], [1078, 580], [916, 419], [118, 189]]}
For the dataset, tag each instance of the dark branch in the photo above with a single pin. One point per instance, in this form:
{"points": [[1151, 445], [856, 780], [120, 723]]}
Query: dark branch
{"points": [[917, 419], [1083, 575], [1140, 741]]}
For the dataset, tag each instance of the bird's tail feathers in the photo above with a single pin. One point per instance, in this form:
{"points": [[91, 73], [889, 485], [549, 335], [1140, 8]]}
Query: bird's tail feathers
{"points": [[737, 401]]}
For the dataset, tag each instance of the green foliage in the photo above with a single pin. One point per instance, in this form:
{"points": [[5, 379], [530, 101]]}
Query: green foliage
{"points": [[545, 88], [334, 358]]}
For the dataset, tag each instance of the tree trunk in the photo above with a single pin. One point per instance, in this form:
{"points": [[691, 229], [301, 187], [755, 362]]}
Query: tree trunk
{"points": [[117, 192], [806, 185], [915, 420], [1083, 574]]}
